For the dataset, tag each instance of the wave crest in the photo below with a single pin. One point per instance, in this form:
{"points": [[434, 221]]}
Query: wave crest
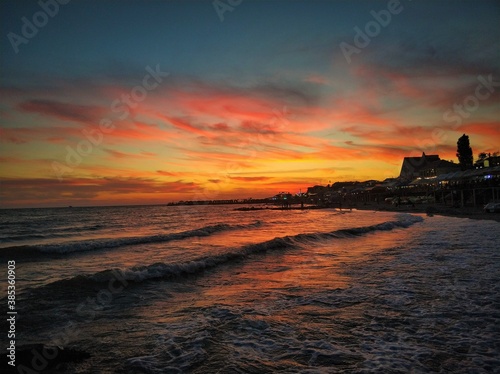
{"points": [[166, 271], [95, 244]]}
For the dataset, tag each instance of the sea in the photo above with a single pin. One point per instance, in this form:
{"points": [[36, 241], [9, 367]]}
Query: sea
{"points": [[213, 289]]}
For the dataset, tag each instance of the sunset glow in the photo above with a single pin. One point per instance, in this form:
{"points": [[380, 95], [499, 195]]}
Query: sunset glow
{"points": [[151, 102]]}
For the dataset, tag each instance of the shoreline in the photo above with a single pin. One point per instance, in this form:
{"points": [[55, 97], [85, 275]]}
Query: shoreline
{"points": [[428, 209], [434, 209]]}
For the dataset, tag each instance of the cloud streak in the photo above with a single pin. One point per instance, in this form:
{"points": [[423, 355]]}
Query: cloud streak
{"points": [[241, 113]]}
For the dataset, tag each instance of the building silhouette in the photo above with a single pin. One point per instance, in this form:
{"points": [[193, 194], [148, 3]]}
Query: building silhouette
{"points": [[413, 165]]}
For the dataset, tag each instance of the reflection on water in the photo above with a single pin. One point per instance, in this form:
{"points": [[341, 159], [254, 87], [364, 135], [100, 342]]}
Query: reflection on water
{"points": [[422, 296]]}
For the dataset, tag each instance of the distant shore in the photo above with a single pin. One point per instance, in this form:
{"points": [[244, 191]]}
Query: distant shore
{"points": [[435, 209]]}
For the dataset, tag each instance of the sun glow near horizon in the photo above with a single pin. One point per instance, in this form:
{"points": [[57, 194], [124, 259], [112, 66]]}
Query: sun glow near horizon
{"points": [[215, 110]]}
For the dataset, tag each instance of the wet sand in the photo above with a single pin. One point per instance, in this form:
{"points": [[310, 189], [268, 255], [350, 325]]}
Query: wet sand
{"points": [[435, 209]]}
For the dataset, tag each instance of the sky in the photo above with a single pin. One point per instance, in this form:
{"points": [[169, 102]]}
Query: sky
{"points": [[149, 102]]}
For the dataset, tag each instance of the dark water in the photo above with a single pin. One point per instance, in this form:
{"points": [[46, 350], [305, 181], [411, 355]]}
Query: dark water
{"points": [[212, 290]]}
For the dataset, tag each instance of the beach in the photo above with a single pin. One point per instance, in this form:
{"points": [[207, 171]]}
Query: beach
{"points": [[210, 289], [434, 209]]}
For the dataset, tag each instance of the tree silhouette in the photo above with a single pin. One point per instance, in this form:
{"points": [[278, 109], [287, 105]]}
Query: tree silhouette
{"points": [[464, 152]]}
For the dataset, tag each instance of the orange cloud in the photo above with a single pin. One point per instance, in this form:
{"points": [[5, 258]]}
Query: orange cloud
{"points": [[189, 136], [250, 179]]}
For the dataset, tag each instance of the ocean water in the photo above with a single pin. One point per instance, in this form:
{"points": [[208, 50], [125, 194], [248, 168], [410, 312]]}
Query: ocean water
{"points": [[208, 289]]}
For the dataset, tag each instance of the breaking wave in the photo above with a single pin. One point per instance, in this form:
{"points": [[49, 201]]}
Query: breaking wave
{"points": [[166, 271], [108, 243]]}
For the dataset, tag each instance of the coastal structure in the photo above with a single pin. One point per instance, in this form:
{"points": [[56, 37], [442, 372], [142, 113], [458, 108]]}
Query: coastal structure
{"points": [[413, 165], [488, 162], [427, 178], [436, 168]]}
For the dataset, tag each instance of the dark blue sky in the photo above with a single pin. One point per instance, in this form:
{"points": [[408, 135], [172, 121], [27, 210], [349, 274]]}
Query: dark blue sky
{"points": [[256, 38]]}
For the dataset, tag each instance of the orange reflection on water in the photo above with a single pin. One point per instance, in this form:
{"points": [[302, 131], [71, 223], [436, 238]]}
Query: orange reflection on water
{"points": [[300, 271]]}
